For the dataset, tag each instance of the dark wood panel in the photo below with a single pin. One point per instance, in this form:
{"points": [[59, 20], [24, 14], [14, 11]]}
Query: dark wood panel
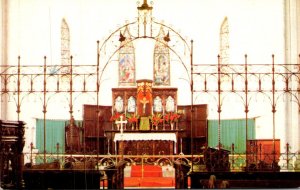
{"points": [[92, 114], [199, 120], [199, 130], [91, 145], [96, 120]]}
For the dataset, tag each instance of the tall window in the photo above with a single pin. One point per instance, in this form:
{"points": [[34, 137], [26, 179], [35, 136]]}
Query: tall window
{"points": [[224, 50], [161, 69], [65, 45], [224, 42], [126, 60]]}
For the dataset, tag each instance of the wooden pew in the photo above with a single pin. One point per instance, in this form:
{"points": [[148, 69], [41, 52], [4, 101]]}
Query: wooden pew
{"points": [[74, 175], [241, 180]]}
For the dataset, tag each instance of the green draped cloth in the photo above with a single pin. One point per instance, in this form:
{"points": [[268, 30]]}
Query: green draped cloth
{"points": [[144, 123], [232, 131]]}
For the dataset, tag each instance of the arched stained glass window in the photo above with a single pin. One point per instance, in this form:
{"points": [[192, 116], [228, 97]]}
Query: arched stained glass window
{"points": [[161, 69], [126, 60], [224, 49], [65, 45], [224, 42]]}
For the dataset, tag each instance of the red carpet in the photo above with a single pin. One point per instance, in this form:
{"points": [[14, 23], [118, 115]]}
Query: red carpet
{"points": [[149, 171], [146, 182], [148, 176], [152, 177], [149, 182]]}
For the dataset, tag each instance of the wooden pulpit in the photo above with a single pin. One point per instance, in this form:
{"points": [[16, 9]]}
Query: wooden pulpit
{"points": [[73, 143]]}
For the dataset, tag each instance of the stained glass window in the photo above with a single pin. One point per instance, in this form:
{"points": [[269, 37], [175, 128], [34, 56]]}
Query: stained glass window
{"points": [[224, 47], [224, 42], [126, 61], [161, 69], [65, 45]]}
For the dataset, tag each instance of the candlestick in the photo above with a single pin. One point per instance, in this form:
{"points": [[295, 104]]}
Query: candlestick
{"points": [[181, 153], [108, 145]]}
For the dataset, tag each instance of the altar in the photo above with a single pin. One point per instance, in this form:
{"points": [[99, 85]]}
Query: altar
{"points": [[145, 143], [144, 120]]}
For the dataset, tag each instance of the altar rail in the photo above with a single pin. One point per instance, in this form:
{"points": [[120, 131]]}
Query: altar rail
{"points": [[195, 167], [238, 162]]}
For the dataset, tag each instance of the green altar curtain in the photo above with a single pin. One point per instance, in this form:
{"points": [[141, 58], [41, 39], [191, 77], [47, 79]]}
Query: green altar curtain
{"points": [[55, 133], [231, 131]]}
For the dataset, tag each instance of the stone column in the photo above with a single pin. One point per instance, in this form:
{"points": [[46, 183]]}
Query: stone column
{"points": [[292, 50]]}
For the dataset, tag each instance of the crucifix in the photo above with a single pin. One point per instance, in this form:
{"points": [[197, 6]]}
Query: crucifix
{"points": [[121, 122], [144, 101]]}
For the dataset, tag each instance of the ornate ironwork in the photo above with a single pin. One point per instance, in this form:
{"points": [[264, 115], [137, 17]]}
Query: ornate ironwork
{"points": [[238, 162]]}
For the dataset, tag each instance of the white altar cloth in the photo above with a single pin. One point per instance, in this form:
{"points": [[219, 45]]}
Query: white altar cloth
{"points": [[145, 137]]}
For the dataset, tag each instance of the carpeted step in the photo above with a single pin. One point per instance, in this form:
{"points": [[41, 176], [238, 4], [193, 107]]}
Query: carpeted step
{"points": [[146, 171], [149, 182]]}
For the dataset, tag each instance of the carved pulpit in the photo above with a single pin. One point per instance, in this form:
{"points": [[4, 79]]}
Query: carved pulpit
{"points": [[216, 159], [73, 144]]}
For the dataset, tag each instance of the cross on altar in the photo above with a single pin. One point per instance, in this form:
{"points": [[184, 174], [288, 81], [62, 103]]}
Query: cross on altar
{"points": [[144, 101], [121, 122]]}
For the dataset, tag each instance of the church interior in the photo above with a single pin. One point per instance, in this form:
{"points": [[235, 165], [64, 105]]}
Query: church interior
{"points": [[149, 94]]}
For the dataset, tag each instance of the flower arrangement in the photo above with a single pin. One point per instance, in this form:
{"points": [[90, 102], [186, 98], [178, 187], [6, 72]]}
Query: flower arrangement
{"points": [[116, 117], [167, 117], [132, 118], [174, 117], [156, 119], [171, 117]]}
